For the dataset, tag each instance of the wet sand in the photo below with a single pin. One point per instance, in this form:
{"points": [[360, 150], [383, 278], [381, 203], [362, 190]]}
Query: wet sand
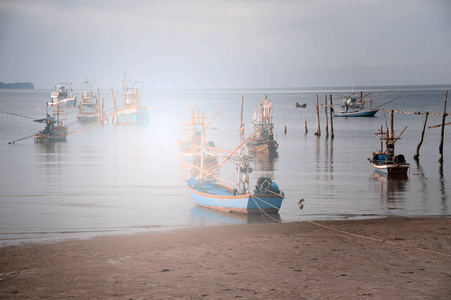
{"points": [[400, 258]]}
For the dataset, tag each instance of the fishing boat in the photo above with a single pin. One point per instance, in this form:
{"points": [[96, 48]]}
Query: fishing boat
{"points": [[207, 190], [266, 197], [63, 95], [263, 141], [190, 147], [357, 113], [132, 111], [352, 102], [90, 109], [54, 131], [385, 161], [301, 105]]}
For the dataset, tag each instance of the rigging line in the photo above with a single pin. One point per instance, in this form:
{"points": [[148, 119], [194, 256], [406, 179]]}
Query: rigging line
{"points": [[280, 195], [225, 182], [262, 211], [27, 137], [17, 115], [230, 155], [90, 124], [222, 135]]}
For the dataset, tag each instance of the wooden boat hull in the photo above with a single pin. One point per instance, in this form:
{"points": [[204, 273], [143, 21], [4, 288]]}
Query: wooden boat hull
{"points": [[88, 117], [365, 113], [137, 116], [58, 135], [214, 196], [397, 165], [392, 169], [263, 147]]}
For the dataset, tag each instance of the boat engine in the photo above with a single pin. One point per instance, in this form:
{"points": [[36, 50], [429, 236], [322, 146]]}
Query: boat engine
{"points": [[399, 159], [265, 184]]}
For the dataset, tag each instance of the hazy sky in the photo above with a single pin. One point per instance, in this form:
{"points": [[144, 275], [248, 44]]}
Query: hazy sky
{"points": [[226, 44]]}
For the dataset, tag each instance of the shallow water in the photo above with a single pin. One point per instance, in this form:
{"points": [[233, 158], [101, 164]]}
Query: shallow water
{"points": [[123, 179]]}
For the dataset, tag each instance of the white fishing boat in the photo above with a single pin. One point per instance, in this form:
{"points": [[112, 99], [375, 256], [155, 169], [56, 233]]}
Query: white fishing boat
{"points": [[63, 95], [90, 108]]}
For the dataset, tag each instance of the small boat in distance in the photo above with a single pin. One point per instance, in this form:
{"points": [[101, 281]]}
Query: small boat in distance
{"points": [[63, 95], [54, 131], [301, 105], [132, 111], [385, 161], [90, 109], [263, 140]]}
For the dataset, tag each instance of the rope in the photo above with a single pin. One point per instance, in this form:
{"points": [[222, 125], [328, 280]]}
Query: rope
{"points": [[261, 210], [106, 116], [359, 235]]}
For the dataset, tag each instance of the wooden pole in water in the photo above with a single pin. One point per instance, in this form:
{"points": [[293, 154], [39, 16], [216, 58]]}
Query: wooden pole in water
{"points": [[318, 130], [440, 148], [392, 129], [331, 118], [305, 125], [326, 118], [417, 154]]}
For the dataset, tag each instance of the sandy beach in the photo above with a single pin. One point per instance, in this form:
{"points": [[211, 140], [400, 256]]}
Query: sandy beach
{"points": [[389, 258]]}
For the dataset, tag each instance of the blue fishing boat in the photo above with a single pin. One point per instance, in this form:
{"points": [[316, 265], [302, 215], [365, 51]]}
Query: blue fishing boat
{"points": [[385, 161], [361, 113], [132, 111], [207, 190], [210, 193]]}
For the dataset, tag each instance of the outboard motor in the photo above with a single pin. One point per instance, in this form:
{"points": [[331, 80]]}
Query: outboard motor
{"points": [[399, 159], [263, 185]]}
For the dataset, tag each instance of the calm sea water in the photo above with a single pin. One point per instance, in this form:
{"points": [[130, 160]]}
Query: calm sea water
{"points": [[115, 179]]}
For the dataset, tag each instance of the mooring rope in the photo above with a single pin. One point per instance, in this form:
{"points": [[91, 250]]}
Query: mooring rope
{"points": [[358, 235]]}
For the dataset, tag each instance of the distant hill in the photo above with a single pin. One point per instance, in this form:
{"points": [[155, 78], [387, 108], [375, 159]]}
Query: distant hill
{"points": [[17, 85]]}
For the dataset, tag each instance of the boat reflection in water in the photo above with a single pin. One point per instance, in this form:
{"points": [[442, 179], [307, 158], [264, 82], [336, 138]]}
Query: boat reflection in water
{"points": [[392, 189], [203, 216]]}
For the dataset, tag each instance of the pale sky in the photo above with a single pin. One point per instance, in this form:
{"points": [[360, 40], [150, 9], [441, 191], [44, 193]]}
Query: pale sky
{"points": [[226, 44]]}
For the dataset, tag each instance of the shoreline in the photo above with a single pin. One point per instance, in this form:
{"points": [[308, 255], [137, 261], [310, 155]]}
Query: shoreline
{"points": [[378, 258]]}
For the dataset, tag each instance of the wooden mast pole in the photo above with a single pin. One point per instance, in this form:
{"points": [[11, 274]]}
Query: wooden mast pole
{"points": [[326, 118], [440, 148], [417, 153], [392, 129], [98, 104], [241, 120], [318, 130], [331, 117]]}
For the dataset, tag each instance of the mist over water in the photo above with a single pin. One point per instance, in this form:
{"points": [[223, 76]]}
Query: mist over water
{"points": [[122, 179]]}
